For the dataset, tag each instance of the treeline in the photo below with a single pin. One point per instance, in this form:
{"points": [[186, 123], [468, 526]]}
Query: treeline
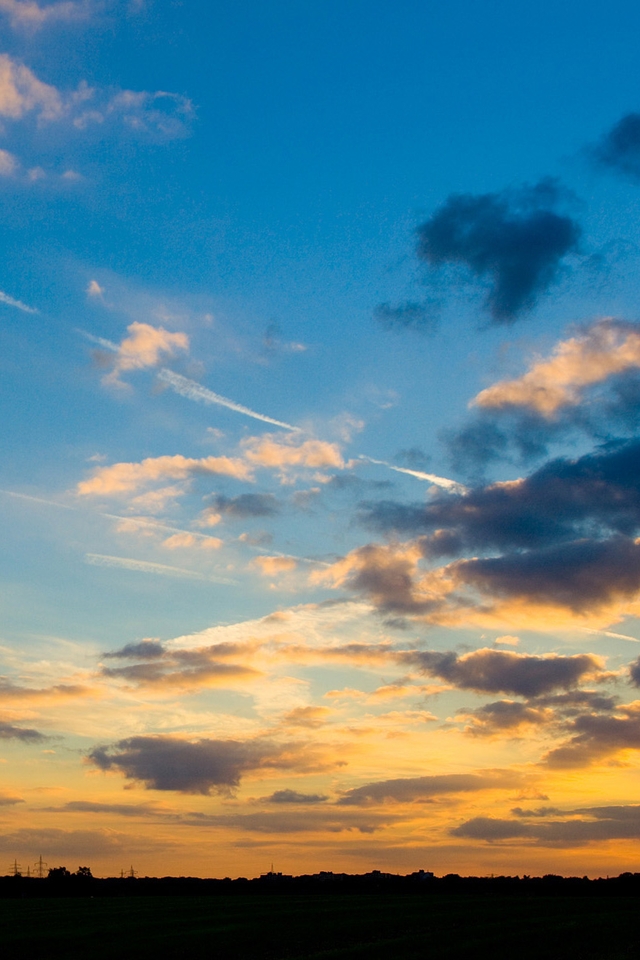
{"points": [[62, 883]]}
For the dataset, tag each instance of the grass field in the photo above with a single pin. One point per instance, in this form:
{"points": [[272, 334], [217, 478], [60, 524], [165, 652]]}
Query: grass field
{"points": [[372, 926]]}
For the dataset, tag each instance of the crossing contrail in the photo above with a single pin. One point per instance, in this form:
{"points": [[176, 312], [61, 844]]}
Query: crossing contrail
{"points": [[195, 391], [451, 485]]}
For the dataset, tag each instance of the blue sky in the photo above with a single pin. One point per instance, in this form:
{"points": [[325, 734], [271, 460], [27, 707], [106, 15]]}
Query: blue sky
{"points": [[319, 377]]}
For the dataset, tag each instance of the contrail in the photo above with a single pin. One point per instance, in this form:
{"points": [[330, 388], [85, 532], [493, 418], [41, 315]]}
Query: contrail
{"points": [[195, 391], [137, 521], [18, 304], [608, 633], [99, 341], [451, 485], [146, 566]]}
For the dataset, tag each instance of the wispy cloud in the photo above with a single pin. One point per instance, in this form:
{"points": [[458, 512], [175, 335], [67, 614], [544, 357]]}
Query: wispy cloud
{"points": [[195, 391], [10, 301], [146, 566], [142, 349]]}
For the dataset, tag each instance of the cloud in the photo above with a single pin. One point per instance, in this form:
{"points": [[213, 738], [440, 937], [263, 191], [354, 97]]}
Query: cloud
{"points": [[27, 14], [513, 241], [288, 453], [157, 115], [605, 348], [195, 391], [598, 736], [504, 716], [245, 506], [563, 500], [313, 819], [502, 671], [272, 566], [10, 732], [217, 665], [4, 297], [411, 789], [310, 717], [407, 316], [125, 478], [293, 796], [94, 289], [387, 575], [144, 348], [119, 809], [619, 148], [167, 763], [586, 825], [583, 576], [590, 385]]}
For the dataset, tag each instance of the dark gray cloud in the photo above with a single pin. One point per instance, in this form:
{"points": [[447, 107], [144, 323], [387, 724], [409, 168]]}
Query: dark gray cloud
{"points": [[514, 242], [503, 716], [501, 671], [410, 315], [580, 576], [619, 148], [410, 789], [293, 796], [314, 819], [597, 736], [168, 763], [119, 809], [10, 732], [145, 650], [586, 825], [161, 666], [563, 500], [245, 505], [634, 672]]}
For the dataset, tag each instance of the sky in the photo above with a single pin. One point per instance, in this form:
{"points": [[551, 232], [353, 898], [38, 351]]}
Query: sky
{"points": [[320, 379]]}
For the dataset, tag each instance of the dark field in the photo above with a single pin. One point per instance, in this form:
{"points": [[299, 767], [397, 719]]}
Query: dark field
{"points": [[273, 926]]}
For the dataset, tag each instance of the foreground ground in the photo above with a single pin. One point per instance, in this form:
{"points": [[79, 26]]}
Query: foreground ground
{"points": [[274, 926]]}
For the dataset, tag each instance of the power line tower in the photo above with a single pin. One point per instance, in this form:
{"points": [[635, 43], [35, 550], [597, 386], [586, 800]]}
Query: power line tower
{"points": [[15, 869], [131, 873], [39, 865]]}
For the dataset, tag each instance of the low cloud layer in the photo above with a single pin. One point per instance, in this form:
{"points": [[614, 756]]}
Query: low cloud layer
{"points": [[513, 242]]}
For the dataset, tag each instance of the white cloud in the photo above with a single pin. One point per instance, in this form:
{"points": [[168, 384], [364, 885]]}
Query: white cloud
{"points": [[143, 348], [94, 289]]}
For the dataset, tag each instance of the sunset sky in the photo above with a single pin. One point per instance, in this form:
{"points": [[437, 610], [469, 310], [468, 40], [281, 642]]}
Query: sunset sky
{"points": [[320, 493]]}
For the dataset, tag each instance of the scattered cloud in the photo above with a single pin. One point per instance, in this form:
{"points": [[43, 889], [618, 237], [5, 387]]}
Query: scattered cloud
{"points": [[514, 241], [10, 732], [294, 796], [412, 789], [577, 827], [144, 348], [217, 665], [94, 289], [29, 15], [125, 478], [502, 671], [619, 148], [602, 350], [245, 506], [410, 315], [168, 763]]}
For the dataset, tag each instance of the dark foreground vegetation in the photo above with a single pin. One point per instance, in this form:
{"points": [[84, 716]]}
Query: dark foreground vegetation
{"points": [[451, 918]]}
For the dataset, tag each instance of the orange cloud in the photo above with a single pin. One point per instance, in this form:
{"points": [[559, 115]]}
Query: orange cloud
{"points": [[286, 453], [122, 478], [271, 566], [604, 349], [144, 347]]}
